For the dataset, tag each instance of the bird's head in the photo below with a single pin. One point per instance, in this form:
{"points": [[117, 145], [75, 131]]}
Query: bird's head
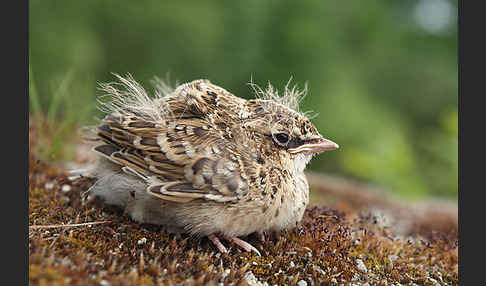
{"points": [[284, 133]]}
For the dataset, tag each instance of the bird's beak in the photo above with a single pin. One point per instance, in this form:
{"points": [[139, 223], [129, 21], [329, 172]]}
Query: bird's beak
{"points": [[316, 147]]}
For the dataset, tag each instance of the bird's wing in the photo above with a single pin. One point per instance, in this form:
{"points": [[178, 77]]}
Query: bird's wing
{"points": [[184, 156]]}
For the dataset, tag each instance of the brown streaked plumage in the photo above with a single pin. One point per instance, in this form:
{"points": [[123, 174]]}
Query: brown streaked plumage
{"points": [[200, 160]]}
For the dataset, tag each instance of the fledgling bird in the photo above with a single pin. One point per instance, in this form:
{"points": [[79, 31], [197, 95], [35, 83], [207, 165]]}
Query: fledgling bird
{"points": [[199, 160]]}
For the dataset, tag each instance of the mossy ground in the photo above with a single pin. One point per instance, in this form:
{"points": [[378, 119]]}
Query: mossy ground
{"points": [[334, 245]]}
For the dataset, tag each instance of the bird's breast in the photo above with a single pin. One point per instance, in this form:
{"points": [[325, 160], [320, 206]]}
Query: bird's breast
{"points": [[294, 198]]}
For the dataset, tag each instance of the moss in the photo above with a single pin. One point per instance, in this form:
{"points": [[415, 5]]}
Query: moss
{"points": [[327, 248]]}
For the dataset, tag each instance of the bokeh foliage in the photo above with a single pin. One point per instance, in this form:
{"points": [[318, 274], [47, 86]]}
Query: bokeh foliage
{"points": [[384, 89]]}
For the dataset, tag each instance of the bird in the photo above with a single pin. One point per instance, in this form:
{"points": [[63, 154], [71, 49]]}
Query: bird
{"points": [[197, 159]]}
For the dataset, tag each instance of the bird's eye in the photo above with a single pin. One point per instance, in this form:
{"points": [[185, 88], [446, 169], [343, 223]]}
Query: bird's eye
{"points": [[281, 138]]}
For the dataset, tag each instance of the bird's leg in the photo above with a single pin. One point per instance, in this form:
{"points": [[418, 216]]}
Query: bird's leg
{"points": [[217, 243], [261, 236], [243, 244]]}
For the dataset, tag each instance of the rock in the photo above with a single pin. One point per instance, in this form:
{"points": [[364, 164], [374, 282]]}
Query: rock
{"points": [[252, 280], [302, 283], [361, 266]]}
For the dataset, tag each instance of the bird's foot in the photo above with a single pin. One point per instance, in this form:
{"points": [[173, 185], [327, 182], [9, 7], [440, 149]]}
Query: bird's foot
{"points": [[243, 244], [215, 240]]}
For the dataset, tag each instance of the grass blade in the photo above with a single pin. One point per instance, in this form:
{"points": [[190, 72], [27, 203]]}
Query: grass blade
{"points": [[61, 92]]}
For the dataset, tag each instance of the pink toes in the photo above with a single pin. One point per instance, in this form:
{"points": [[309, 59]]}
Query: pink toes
{"points": [[243, 244], [218, 243]]}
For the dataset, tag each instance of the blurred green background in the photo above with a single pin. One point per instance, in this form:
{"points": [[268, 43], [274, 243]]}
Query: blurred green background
{"points": [[382, 75]]}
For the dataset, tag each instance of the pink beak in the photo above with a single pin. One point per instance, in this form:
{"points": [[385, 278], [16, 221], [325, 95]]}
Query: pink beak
{"points": [[312, 148]]}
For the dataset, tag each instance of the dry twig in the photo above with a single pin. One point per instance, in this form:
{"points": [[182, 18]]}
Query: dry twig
{"points": [[32, 227]]}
